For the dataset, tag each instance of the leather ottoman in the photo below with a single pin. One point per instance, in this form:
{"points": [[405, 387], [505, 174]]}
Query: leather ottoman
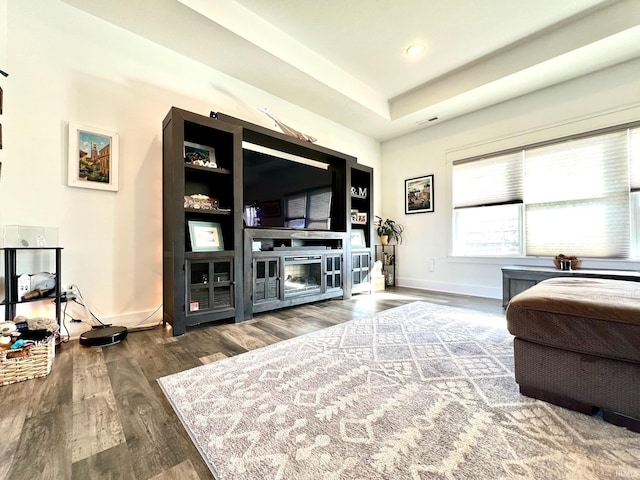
{"points": [[577, 345]]}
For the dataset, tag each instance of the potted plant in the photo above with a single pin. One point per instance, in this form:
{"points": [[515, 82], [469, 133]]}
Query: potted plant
{"points": [[389, 230]]}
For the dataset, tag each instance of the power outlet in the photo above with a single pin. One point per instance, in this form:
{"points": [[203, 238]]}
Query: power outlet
{"points": [[432, 264], [67, 296]]}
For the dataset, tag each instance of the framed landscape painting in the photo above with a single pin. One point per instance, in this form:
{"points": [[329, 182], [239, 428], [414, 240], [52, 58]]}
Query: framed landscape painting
{"points": [[93, 158], [418, 194]]}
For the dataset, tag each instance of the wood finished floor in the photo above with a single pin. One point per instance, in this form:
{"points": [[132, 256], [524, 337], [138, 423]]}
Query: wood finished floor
{"points": [[100, 413]]}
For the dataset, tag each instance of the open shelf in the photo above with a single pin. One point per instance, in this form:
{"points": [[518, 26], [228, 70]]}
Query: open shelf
{"points": [[207, 212], [188, 301], [220, 171]]}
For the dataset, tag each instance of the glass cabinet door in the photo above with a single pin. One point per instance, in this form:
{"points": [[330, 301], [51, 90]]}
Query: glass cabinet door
{"points": [[210, 285], [361, 268], [266, 280], [333, 272]]}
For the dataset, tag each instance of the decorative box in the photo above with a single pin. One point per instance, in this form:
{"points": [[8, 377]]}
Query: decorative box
{"points": [[201, 202], [26, 236]]}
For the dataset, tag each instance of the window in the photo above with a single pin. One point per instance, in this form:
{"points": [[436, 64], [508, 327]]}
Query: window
{"points": [[578, 196], [487, 199], [492, 230]]}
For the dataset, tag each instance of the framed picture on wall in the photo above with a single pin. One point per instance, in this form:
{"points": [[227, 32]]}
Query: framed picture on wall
{"points": [[418, 194], [93, 158], [205, 236]]}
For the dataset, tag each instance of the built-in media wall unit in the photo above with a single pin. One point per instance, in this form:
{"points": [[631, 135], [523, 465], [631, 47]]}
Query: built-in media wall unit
{"points": [[255, 220]]}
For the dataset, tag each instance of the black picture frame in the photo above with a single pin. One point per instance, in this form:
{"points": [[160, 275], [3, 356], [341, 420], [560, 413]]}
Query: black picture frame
{"points": [[418, 194]]}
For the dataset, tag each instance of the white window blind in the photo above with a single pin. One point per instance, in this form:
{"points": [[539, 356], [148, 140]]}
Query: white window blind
{"points": [[634, 156], [577, 197], [583, 168], [586, 228], [488, 181], [634, 185]]}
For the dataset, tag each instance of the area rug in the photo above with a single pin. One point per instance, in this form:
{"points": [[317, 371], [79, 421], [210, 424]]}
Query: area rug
{"points": [[421, 391]]}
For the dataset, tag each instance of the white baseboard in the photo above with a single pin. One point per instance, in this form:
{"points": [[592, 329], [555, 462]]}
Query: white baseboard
{"points": [[133, 322], [445, 287]]}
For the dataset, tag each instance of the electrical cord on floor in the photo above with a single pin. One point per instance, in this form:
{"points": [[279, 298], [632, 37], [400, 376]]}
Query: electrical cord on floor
{"points": [[151, 327], [102, 324], [83, 303], [77, 320]]}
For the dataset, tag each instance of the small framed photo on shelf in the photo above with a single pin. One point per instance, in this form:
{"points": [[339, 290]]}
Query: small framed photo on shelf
{"points": [[93, 158], [201, 155], [418, 194], [359, 218], [358, 238], [205, 236]]}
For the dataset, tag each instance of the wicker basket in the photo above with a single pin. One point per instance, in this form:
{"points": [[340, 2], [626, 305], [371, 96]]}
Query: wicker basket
{"points": [[26, 363]]}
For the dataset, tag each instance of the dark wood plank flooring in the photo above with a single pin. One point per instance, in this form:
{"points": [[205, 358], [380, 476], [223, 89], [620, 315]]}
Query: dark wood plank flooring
{"points": [[100, 413]]}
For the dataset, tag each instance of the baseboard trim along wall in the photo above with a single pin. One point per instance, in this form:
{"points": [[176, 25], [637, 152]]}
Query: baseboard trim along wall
{"points": [[447, 287]]}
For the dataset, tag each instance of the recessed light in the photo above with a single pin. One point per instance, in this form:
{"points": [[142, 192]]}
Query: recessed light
{"points": [[415, 49]]}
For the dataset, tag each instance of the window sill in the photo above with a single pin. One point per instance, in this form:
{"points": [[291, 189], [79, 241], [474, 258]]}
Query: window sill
{"points": [[613, 264]]}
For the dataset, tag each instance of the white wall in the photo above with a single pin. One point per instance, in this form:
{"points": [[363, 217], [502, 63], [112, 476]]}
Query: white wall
{"points": [[67, 66], [605, 98]]}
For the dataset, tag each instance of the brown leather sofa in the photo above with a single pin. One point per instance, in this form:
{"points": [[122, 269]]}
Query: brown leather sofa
{"points": [[577, 345]]}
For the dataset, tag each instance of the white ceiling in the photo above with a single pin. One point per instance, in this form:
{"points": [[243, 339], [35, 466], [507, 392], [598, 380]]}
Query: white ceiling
{"points": [[344, 59]]}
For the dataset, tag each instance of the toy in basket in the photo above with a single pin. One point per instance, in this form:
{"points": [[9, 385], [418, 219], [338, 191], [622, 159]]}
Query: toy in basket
{"points": [[27, 349]]}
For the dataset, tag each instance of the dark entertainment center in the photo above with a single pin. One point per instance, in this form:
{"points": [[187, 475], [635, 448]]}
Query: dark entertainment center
{"points": [[255, 220]]}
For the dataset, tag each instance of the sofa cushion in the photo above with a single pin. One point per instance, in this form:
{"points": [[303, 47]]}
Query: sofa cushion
{"points": [[585, 315]]}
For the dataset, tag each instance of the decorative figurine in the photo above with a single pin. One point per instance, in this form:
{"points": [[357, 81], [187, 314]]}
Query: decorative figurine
{"points": [[286, 129]]}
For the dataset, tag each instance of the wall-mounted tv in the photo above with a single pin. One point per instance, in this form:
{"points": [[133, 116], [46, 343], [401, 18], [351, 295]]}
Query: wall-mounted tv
{"points": [[285, 191]]}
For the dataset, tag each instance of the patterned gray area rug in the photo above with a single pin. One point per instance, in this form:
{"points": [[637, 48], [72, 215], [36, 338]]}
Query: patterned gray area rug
{"points": [[421, 391]]}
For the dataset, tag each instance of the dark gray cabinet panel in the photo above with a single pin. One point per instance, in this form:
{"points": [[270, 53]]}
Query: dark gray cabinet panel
{"points": [[516, 278]]}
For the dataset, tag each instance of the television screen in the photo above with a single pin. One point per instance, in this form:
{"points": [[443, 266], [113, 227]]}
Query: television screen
{"points": [[284, 191]]}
